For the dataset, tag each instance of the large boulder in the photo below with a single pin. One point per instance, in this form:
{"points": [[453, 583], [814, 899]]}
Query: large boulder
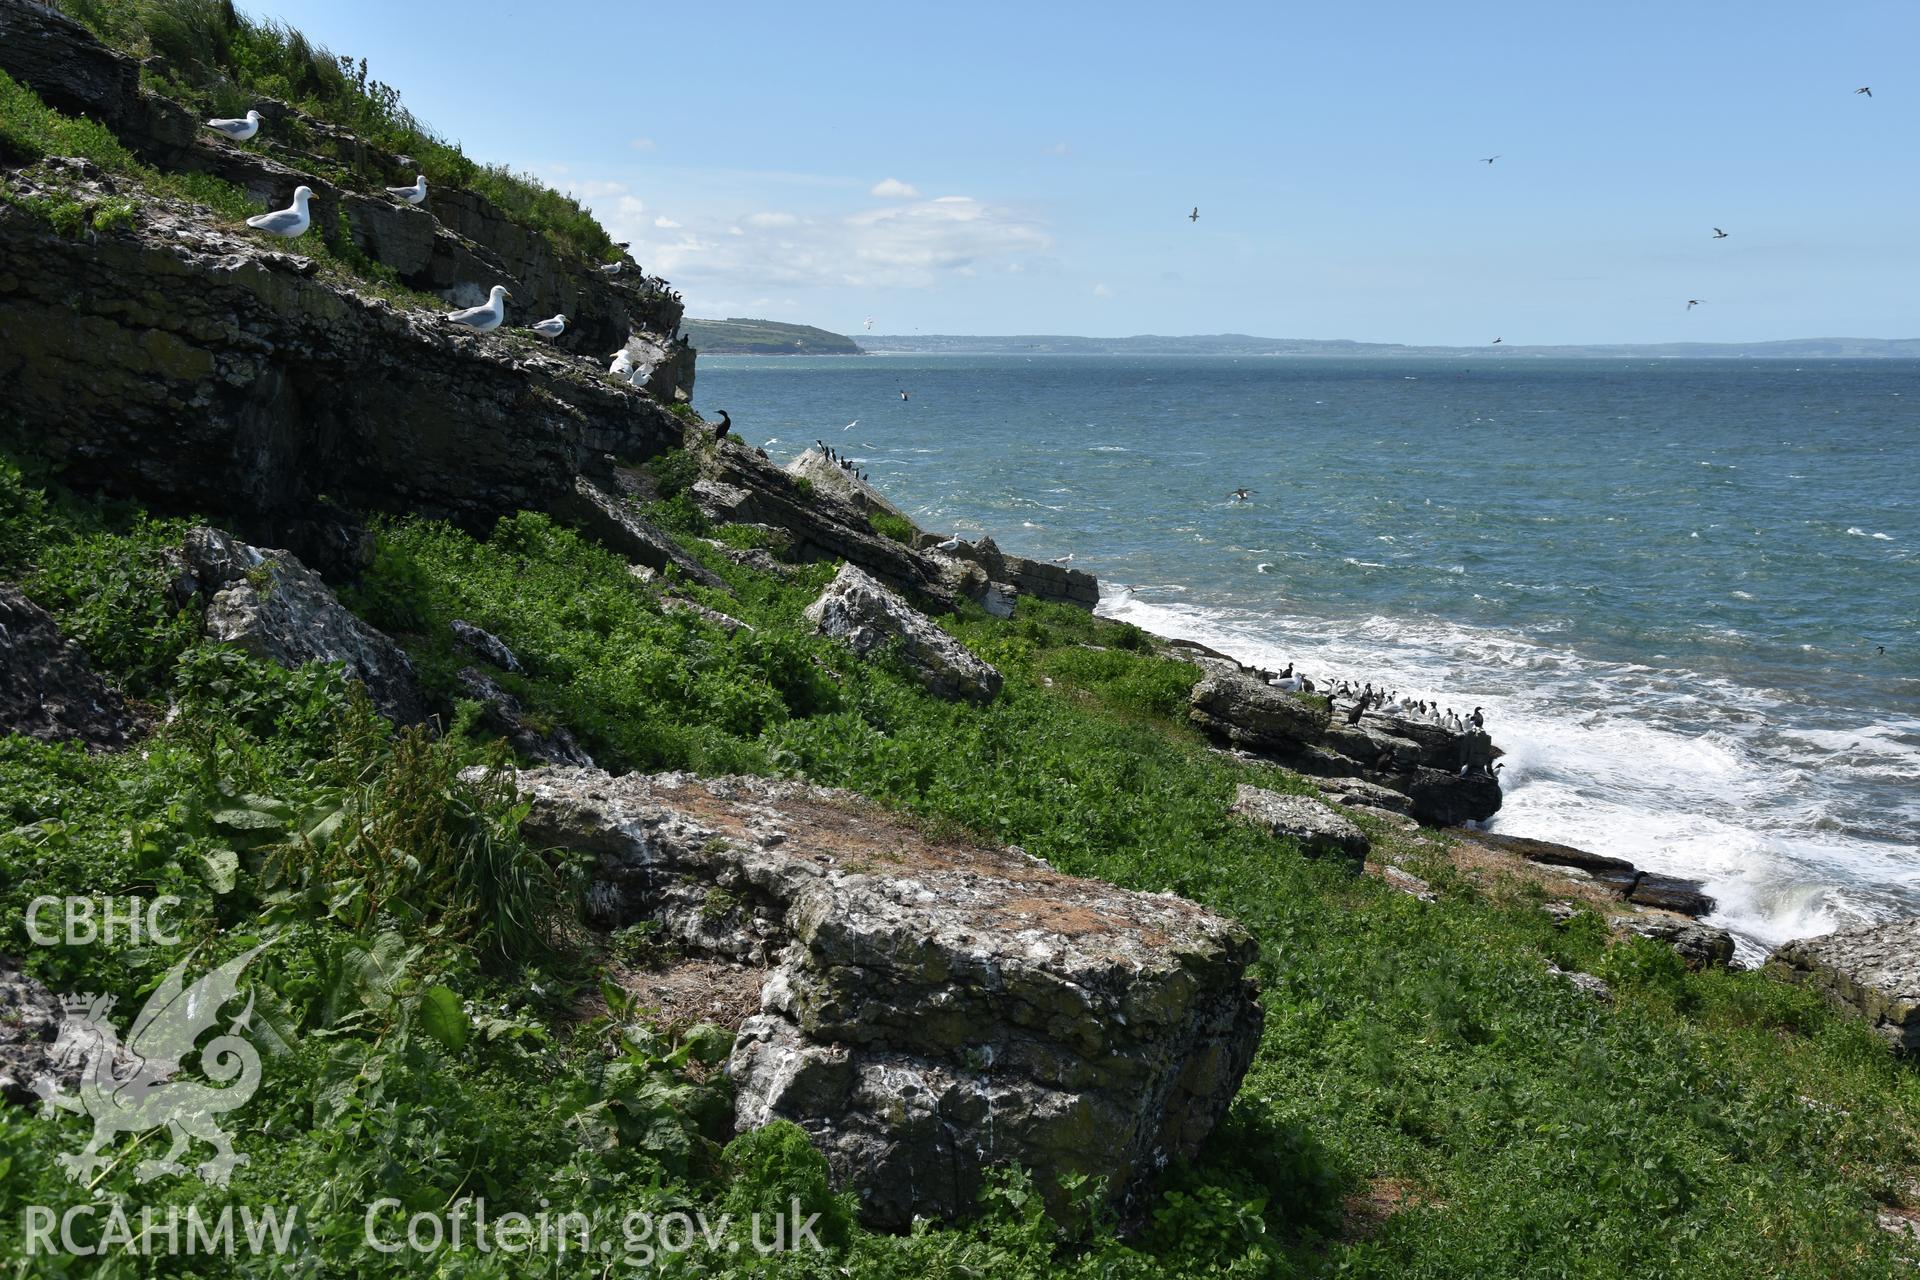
{"points": [[1874, 971], [1316, 828], [272, 606], [1247, 712], [48, 690], [936, 1008], [857, 609], [1701, 946]]}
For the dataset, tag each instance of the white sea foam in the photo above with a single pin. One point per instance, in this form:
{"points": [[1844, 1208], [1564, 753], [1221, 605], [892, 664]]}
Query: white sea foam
{"points": [[1682, 773]]}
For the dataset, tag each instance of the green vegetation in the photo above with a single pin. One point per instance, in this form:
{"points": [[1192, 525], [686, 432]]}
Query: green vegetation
{"points": [[1427, 1100], [224, 62], [889, 525], [765, 338], [29, 129]]}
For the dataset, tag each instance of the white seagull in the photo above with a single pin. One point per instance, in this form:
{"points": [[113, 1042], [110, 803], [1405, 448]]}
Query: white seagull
{"points": [[488, 314], [291, 221], [237, 130], [550, 328], [415, 194], [622, 366], [851, 425], [951, 544]]}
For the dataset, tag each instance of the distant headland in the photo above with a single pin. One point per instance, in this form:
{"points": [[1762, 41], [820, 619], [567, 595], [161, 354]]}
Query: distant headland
{"points": [[737, 337]]}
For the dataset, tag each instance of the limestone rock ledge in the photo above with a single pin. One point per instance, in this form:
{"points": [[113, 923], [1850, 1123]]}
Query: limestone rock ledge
{"points": [[934, 1009], [1875, 971]]}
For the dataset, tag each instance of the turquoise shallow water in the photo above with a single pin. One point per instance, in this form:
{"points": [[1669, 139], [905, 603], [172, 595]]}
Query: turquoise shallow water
{"points": [[1665, 581]]}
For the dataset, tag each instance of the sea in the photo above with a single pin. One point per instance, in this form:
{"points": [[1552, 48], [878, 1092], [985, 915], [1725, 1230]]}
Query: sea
{"points": [[1687, 593]]}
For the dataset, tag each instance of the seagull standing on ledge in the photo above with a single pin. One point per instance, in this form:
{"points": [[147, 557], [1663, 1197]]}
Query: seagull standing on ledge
{"points": [[291, 221], [488, 315], [415, 194], [550, 328], [622, 366], [236, 130]]}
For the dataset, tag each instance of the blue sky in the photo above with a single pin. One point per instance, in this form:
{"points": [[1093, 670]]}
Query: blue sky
{"points": [[1003, 168]]}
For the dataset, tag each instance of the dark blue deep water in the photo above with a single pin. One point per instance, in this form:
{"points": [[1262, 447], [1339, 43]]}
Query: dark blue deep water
{"points": [[1665, 581]]}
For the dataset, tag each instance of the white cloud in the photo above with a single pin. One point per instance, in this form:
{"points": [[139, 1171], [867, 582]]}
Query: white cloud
{"points": [[641, 144], [894, 189], [1102, 291], [902, 245]]}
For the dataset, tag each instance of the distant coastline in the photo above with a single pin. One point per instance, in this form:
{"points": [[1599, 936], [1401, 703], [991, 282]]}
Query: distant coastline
{"points": [[1239, 344], [741, 337]]}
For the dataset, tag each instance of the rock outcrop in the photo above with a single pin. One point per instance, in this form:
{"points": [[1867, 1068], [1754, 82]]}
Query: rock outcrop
{"points": [[1436, 775], [1642, 888], [1874, 971], [820, 524], [457, 245], [858, 610], [1701, 946], [935, 1009], [1316, 828], [501, 713], [272, 606], [1249, 713], [48, 689], [30, 1017], [205, 372]]}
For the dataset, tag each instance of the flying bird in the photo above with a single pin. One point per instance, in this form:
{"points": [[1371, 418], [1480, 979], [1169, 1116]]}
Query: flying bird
{"points": [[552, 327], [1694, 302], [1862, 89], [1195, 215], [488, 315], [237, 130], [1241, 495], [869, 324], [1718, 234], [291, 221], [1497, 341], [415, 194], [1488, 159], [851, 425]]}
